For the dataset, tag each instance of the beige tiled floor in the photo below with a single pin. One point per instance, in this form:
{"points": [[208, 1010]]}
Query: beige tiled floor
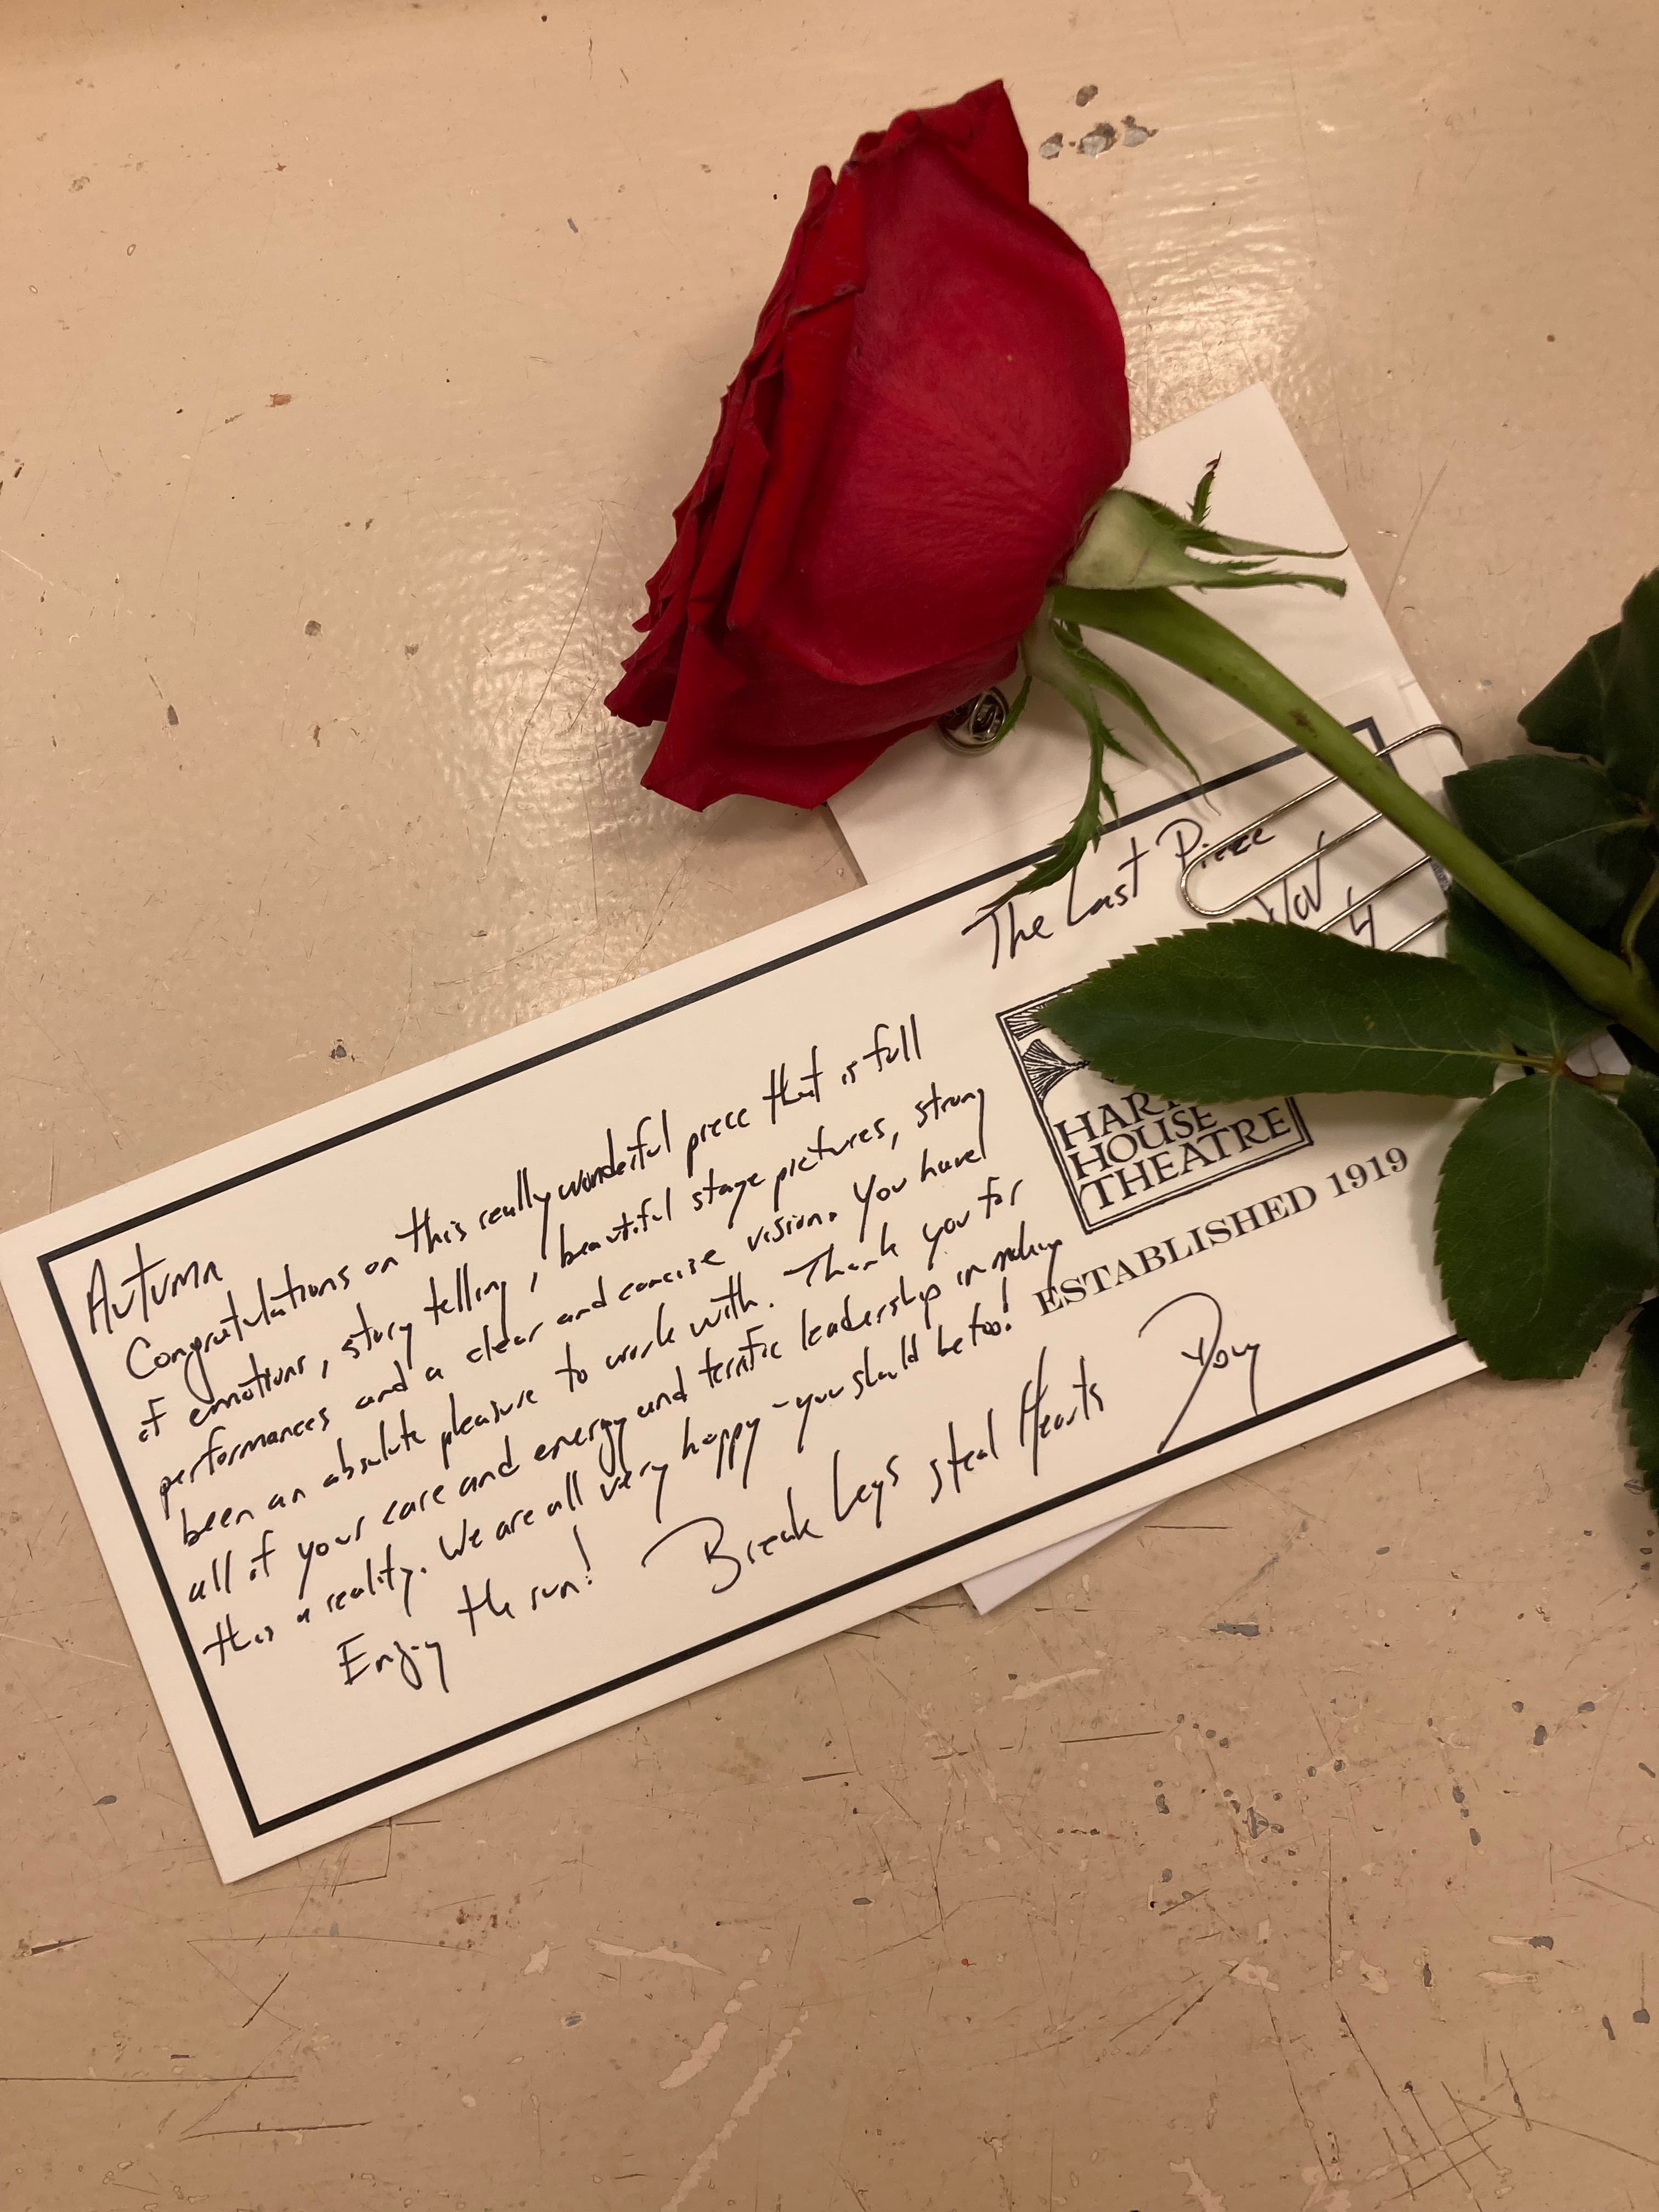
{"points": [[353, 354]]}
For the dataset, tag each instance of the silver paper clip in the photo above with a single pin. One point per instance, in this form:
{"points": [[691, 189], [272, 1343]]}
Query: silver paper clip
{"points": [[1212, 852]]}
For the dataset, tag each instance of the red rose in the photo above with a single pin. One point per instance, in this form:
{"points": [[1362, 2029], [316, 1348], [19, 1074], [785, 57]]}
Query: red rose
{"points": [[933, 400]]}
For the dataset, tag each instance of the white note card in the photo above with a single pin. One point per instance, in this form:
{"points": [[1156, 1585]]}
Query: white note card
{"points": [[510, 1397]]}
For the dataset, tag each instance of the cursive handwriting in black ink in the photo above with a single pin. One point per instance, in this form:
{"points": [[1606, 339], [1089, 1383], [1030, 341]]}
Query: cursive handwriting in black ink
{"points": [[1206, 1353], [712, 1556]]}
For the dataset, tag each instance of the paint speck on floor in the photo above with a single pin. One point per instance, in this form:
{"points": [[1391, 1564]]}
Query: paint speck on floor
{"points": [[1254, 1977], [1198, 2189], [662, 1953], [1085, 93], [740, 2112], [1097, 140], [688, 2069], [1049, 149]]}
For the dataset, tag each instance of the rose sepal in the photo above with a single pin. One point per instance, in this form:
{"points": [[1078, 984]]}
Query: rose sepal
{"points": [[1135, 544]]}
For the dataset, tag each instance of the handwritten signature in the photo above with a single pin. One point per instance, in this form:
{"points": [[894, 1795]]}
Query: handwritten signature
{"points": [[1204, 1351]]}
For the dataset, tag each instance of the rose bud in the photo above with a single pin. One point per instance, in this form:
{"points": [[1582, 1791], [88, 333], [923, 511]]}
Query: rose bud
{"points": [[933, 402]]}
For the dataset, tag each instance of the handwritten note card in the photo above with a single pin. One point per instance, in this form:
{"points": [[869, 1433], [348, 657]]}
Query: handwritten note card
{"points": [[511, 1397]]}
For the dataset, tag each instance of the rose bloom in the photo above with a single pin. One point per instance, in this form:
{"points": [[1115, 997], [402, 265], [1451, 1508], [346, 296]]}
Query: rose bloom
{"points": [[933, 401]]}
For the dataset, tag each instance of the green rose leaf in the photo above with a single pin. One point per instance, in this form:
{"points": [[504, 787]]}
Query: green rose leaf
{"points": [[1605, 702], [1539, 1012], [1640, 1099], [1635, 1050], [1566, 714], [1640, 1393], [1544, 1231], [1248, 1009], [1559, 826]]}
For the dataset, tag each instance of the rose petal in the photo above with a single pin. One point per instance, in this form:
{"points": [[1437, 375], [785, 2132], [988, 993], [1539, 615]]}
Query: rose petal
{"points": [[981, 412], [732, 706]]}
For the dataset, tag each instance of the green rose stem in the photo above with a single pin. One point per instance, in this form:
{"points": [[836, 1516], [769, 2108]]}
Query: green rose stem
{"points": [[1177, 631]]}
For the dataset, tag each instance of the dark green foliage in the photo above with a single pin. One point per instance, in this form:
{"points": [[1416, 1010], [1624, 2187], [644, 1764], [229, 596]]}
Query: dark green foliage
{"points": [[1245, 1009], [1605, 702], [1559, 828], [1538, 1012], [1544, 1232]]}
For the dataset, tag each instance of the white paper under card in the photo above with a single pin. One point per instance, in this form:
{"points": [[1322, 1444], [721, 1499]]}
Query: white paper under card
{"points": [[519, 1393]]}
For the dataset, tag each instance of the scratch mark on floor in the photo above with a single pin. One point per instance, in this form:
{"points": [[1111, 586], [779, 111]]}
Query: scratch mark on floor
{"points": [[284, 2128], [1049, 1682], [63, 1650], [265, 2000], [1422, 509], [1623, 1894], [1560, 2128], [531, 717], [1514, 2092]]}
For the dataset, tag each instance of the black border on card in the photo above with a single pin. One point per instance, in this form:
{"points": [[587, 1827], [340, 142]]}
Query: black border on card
{"points": [[48, 1260]]}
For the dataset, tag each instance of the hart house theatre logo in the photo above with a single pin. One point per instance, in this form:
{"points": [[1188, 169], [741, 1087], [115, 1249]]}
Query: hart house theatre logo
{"points": [[1119, 1152]]}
